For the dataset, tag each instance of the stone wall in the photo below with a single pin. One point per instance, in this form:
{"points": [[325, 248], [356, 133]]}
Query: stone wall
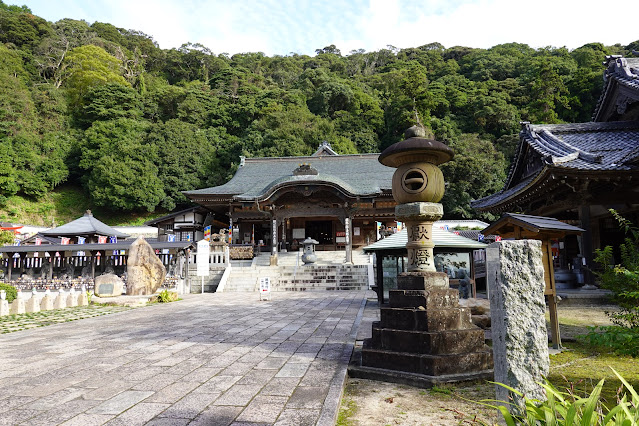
{"points": [[515, 277]]}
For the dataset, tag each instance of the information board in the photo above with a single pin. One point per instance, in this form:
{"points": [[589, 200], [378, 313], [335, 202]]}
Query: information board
{"points": [[202, 260]]}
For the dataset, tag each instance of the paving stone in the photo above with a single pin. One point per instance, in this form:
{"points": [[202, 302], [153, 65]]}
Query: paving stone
{"points": [[201, 374], [257, 377], [158, 382], [293, 417], [88, 420], [17, 415], [166, 421], [120, 402], [190, 406], [263, 409], [174, 392], [280, 386], [217, 384], [138, 414], [272, 363], [309, 397], [238, 395], [237, 369], [292, 370], [217, 416]]}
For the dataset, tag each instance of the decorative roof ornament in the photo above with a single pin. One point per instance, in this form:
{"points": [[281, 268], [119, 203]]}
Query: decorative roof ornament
{"points": [[305, 169]]}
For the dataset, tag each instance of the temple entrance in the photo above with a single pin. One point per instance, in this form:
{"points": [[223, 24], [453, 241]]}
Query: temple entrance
{"points": [[320, 230]]}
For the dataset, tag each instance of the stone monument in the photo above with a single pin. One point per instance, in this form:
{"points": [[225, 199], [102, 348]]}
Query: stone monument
{"points": [[108, 285], [515, 274], [423, 336], [145, 272]]}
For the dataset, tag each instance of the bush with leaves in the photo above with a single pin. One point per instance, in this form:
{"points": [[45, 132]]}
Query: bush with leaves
{"points": [[623, 281], [567, 409], [11, 291]]}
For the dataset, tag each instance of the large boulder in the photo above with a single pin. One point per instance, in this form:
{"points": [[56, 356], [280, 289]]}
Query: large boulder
{"points": [[108, 285], [145, 271]]}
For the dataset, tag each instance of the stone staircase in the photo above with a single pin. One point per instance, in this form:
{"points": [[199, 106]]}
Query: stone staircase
{"points": [[328, 273]]}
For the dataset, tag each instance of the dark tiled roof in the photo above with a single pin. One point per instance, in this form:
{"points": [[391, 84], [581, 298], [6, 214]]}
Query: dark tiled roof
{"points": [[172, 215], [356, 175], [581, 147], [123, 245], [87, 224], [620, 72], [537, 223]]}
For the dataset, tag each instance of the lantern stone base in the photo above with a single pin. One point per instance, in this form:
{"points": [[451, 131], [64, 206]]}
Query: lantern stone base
{"points": [[425, 332]]}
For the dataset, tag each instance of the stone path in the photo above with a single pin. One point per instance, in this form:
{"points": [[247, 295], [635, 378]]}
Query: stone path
{"points": [[213, 359]]}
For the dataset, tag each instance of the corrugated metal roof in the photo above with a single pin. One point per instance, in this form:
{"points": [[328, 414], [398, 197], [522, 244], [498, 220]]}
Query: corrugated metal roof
{"points": [[441, 238]]}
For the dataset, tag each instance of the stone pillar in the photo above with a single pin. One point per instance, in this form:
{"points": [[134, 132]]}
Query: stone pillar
{"points": [[60, 301], [17, 306], [349, 240], [46, 304], [4, 305], [72, 298], [33, 304], [51, 260], [515, 275], [419, 218]]}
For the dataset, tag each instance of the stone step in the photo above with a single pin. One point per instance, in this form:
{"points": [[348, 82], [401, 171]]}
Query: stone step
{"points": [[430, 365]]}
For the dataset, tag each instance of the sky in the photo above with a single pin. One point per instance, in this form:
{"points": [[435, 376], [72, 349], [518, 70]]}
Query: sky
{"points": [[283, 27]]}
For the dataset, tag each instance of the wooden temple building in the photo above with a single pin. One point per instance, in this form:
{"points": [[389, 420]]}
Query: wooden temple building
{"points": [[576, 172], [275, 203]]}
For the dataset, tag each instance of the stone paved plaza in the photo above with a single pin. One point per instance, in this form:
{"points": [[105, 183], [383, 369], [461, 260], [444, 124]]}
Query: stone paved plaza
{"points": [[212, 359]]}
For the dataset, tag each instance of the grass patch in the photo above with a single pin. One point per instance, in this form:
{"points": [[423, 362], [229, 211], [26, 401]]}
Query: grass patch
{"points": [[346, 411], [580, 367]]}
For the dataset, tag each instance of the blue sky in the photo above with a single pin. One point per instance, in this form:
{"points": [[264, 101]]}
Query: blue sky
{"points": [[279, 27]]}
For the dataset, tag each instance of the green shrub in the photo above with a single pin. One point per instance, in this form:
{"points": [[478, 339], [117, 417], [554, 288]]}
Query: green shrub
{"points": [[12, 293], [567, 409], [623, 281], [166, 296]]}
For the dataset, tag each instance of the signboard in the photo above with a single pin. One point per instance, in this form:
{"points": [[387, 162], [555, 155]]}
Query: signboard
{"points": [[202, 260], [265, 287], [207, 233], [299, 233]]}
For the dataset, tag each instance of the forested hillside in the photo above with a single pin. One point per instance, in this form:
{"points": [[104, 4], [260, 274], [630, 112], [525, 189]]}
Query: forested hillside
{"points": [[104, 108]]}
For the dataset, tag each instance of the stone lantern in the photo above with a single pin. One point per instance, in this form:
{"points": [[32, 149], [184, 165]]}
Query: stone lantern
{"points": [[423, 337], [309, 255], [418, 185]]}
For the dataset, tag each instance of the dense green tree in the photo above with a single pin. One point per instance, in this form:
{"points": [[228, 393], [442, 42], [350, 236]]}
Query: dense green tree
{"points": [[121, 166], [87, 67], [477, 170]]}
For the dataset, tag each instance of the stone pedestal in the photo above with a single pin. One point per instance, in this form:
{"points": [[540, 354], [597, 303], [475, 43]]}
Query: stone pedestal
{"points": [[33, 304], [46, 303], [4, 308], [17, 306], [60, 301], [424, 331]]}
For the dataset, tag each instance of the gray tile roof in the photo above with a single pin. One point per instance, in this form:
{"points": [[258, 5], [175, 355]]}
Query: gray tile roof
{"points": [[356, 175], [579, 147], [539, 223], [620, 73], [441, 238], [87, 224]]}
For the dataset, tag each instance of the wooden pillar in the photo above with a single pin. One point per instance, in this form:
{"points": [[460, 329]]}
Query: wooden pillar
{"points": [[551, 292], [10, 265], [93, 265], [51, 260], [379, 255], [349, 240], [586, 243]]}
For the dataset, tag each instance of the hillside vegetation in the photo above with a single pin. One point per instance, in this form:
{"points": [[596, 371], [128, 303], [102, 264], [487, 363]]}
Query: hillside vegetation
{"points": [[104, 109]]}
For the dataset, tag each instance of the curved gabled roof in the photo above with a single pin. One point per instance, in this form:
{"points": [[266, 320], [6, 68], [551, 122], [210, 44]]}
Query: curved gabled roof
{"points": [[621, 75], [87, 224], [580, 148], [441, 239], [354, 175]]}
